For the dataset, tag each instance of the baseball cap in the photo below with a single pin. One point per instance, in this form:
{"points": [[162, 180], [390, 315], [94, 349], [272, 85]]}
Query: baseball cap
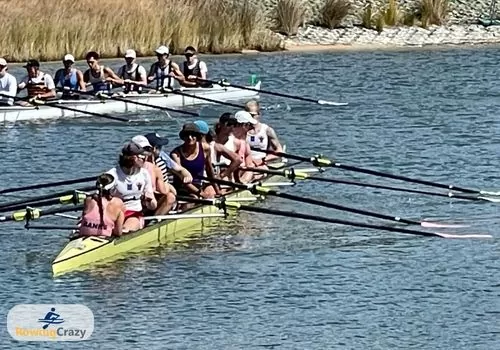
{"points": [[132, 149], [244, 117], [69, 57], [3, 62], [227, 119], [203, 126], [189, 128], [156, 140], [142, 142], [130, 54], [32, 63], [162, 50]]}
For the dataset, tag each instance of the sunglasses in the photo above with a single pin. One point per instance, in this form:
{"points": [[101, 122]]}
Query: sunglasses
{"points": [[189, 54], [190, 134]]}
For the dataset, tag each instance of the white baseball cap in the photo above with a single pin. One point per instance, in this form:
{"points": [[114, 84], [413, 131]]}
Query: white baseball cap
{"points": [[244, 117], [141, 141], [162, 50], [3, 62], [130, 54], [69, 57]]}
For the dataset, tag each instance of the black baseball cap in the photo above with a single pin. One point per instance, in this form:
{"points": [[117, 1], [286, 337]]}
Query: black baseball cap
{"points": [[227, 119], [32, 63], [133, 149], [156, 140]]}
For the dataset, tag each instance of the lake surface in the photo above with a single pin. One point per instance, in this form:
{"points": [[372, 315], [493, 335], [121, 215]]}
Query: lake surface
{"points": [[282, 283]]}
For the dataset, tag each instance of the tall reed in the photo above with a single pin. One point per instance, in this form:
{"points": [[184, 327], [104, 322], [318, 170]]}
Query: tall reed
{"points": [[46, 29]]}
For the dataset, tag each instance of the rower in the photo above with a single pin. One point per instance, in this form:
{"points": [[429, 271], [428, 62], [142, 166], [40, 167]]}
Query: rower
{"points": [[195, 156], [39, 85], [165, 163], [193, 69], [8, 85], [244, 123], [261, 136], [101, 78], [133, 74], [133, 186], [69, 79], [229, 169], [164, 70], [103, 214], [164, 197]]}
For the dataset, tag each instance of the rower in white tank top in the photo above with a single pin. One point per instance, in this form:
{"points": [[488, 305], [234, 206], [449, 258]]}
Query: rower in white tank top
{"points": [[130, 188], [258, 140]]}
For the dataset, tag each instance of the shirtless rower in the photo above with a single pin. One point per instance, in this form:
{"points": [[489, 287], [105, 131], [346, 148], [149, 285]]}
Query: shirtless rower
{"points": [[261, 136], [133, 74], [164, 70], [100, 77], [164, 196], [133, 186], [69, 78], [39, 85], [224, 170], [103, 214], [195, 156]]}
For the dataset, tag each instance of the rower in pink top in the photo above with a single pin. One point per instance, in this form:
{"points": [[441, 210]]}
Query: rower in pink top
{"points": [[103, 214]]}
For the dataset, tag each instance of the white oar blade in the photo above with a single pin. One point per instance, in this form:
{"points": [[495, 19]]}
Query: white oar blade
{"points": [[464, 236], [438, 225], [490, 193], [490, 199], [332, 103]]}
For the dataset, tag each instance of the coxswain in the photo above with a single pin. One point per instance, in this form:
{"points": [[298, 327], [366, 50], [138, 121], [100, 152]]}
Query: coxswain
{"points": [[69, 78], [8, 85], [261, 136], [168, 167], [195, 156], [163, 70], [100, 77], [164, 196], [134, 75], [103, 214], [224, 170], [192, 70], [38, 84], [133, 186]]}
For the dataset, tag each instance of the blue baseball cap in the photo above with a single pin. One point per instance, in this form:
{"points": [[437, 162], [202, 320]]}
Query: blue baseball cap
{"points": [[203, 126]]}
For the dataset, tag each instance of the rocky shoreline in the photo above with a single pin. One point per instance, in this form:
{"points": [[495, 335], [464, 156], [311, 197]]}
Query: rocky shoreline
{"points": [[467, 34]]}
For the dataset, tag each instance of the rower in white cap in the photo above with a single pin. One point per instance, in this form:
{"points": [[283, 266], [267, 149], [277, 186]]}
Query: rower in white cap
{"points": [[133, 74], [69, 78], [164, 70], [8, 85]]}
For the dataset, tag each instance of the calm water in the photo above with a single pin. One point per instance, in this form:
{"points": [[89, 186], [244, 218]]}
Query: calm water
{"points": [[263, 282]]}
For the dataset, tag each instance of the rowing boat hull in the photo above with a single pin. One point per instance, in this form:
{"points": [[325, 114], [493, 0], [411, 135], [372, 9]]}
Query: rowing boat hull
{"points": [[86, 251], [17, 113]]}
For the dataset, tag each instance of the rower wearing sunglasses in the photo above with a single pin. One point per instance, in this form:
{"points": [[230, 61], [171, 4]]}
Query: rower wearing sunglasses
{"points": [[193, 69]]}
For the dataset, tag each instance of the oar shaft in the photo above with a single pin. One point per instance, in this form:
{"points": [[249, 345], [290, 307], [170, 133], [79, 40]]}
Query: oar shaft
{"points": [[211, 100], [48, 185], [67, 108], [37, 213], [138, 103]]}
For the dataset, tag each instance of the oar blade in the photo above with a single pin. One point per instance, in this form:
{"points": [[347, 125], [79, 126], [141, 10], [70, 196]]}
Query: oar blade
{"points": [[464, 236], [439, 225], [332, 103]]}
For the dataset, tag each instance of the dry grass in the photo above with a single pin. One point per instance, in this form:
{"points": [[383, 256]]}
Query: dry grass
{"points": [[333, 12], [367, 17], [46, 29], [289, 15], [392, 13], [433, 12]]}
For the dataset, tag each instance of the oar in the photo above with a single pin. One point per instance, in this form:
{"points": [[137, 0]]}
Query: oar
{"points": [[127, 100], [56, 104], [324, 162], [211, 100], [48, 185], [74, 197], [223, 204], [292, 175], [294, 97], [34, 213], [270, 192]]}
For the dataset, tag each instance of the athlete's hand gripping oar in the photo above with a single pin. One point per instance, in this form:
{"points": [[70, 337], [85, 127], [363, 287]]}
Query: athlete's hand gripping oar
{"points": [[325, 162], [66, 197], [270, 192], [34, 213], [279, 94], [222, 204], [48, 185], [291, 174], [202, 98]]}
